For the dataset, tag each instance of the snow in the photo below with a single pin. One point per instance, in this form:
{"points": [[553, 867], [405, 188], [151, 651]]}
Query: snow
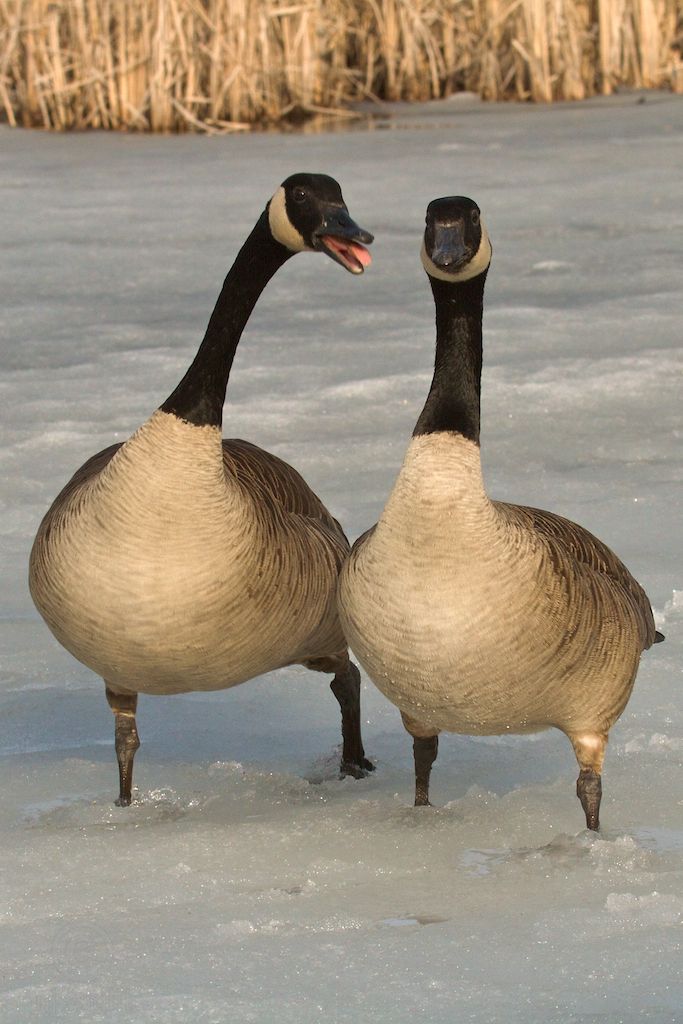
{"points": [[247, 883]]}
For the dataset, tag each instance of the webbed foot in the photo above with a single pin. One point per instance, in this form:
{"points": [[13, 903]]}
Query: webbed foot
{"points": [[355, 769], [346, 688], [589, 748]]}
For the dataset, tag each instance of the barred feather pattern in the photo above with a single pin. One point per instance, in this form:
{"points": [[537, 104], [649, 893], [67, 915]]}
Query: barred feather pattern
{"points": [[181, 562], [481, 617]]}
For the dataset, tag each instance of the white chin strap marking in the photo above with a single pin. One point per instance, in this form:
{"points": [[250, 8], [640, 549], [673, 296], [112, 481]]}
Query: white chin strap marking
{"points": [[281, 226], [476, 265]]}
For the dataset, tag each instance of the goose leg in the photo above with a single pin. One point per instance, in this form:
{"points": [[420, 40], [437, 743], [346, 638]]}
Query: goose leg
{"points": [[126, 740], [589, 748], [346, 688], [425, 749]]}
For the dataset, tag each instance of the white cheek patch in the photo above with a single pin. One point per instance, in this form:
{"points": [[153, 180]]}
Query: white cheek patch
{"points": [[477, 265], [281, 226]]}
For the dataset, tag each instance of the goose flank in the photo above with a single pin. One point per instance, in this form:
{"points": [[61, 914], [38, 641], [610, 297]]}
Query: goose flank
{"points": [[180, 561], [476, 616]]}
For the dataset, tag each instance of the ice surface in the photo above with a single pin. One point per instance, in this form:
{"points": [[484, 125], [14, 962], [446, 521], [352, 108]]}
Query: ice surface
{"points": [[247, 883]]}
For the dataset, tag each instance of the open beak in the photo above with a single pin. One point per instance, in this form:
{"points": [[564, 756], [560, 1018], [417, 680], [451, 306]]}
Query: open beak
{"points": [[342, 240]]}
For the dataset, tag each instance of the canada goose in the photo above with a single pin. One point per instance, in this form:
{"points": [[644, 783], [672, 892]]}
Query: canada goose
{"points": [[179, 561], [476, 616]]}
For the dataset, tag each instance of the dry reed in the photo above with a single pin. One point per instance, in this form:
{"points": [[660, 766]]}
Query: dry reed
{"points": [[224, 65]]}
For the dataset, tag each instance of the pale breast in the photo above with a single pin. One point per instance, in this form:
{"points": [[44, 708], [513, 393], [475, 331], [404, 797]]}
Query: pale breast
{"points": [[468, 623], [163, 576]]}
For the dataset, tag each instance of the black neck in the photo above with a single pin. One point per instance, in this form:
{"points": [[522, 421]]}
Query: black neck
{"points": [[199, 397], [454, 397]]}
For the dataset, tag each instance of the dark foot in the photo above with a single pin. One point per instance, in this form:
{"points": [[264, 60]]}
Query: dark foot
{"points": [[589, 792], [356, 771], [346, 688], [424, 752], [126, 741]]}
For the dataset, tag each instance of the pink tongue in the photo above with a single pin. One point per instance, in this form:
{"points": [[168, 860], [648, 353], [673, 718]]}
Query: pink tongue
{"points": [[354, 248], [361, 254]]}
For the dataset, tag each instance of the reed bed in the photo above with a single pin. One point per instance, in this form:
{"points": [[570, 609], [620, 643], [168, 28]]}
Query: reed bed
{"points": [[225, 65]]}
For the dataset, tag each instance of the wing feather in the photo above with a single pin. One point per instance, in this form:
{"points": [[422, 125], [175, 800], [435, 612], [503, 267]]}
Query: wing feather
{"points": [[570, 543]]}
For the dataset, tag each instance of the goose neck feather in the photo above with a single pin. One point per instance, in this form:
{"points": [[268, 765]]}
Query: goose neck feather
{"points": [[453, 403], [198, 399]]}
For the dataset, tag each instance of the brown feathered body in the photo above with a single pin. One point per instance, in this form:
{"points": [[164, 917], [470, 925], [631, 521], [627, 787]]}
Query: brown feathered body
{"points": [[476, 616], [179, 561]]}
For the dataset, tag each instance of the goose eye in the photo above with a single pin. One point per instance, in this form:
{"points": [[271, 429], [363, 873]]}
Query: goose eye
{"points": [[299, 195], [475, 216]]}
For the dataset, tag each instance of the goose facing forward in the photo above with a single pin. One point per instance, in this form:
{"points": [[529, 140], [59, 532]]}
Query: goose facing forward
{"points": [[476, 616], [178, 561]]}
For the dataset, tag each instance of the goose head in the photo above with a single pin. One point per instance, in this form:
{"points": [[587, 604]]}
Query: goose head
{"points": [[308, 213], [456, 244]]}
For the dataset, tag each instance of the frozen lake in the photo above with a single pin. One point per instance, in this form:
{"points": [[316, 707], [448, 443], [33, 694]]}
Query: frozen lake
{"points": [[247, 883]]}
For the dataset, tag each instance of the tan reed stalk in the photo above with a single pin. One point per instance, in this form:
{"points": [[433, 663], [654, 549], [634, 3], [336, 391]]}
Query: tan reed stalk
{"points": [[8, 57], [219, 65]]}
